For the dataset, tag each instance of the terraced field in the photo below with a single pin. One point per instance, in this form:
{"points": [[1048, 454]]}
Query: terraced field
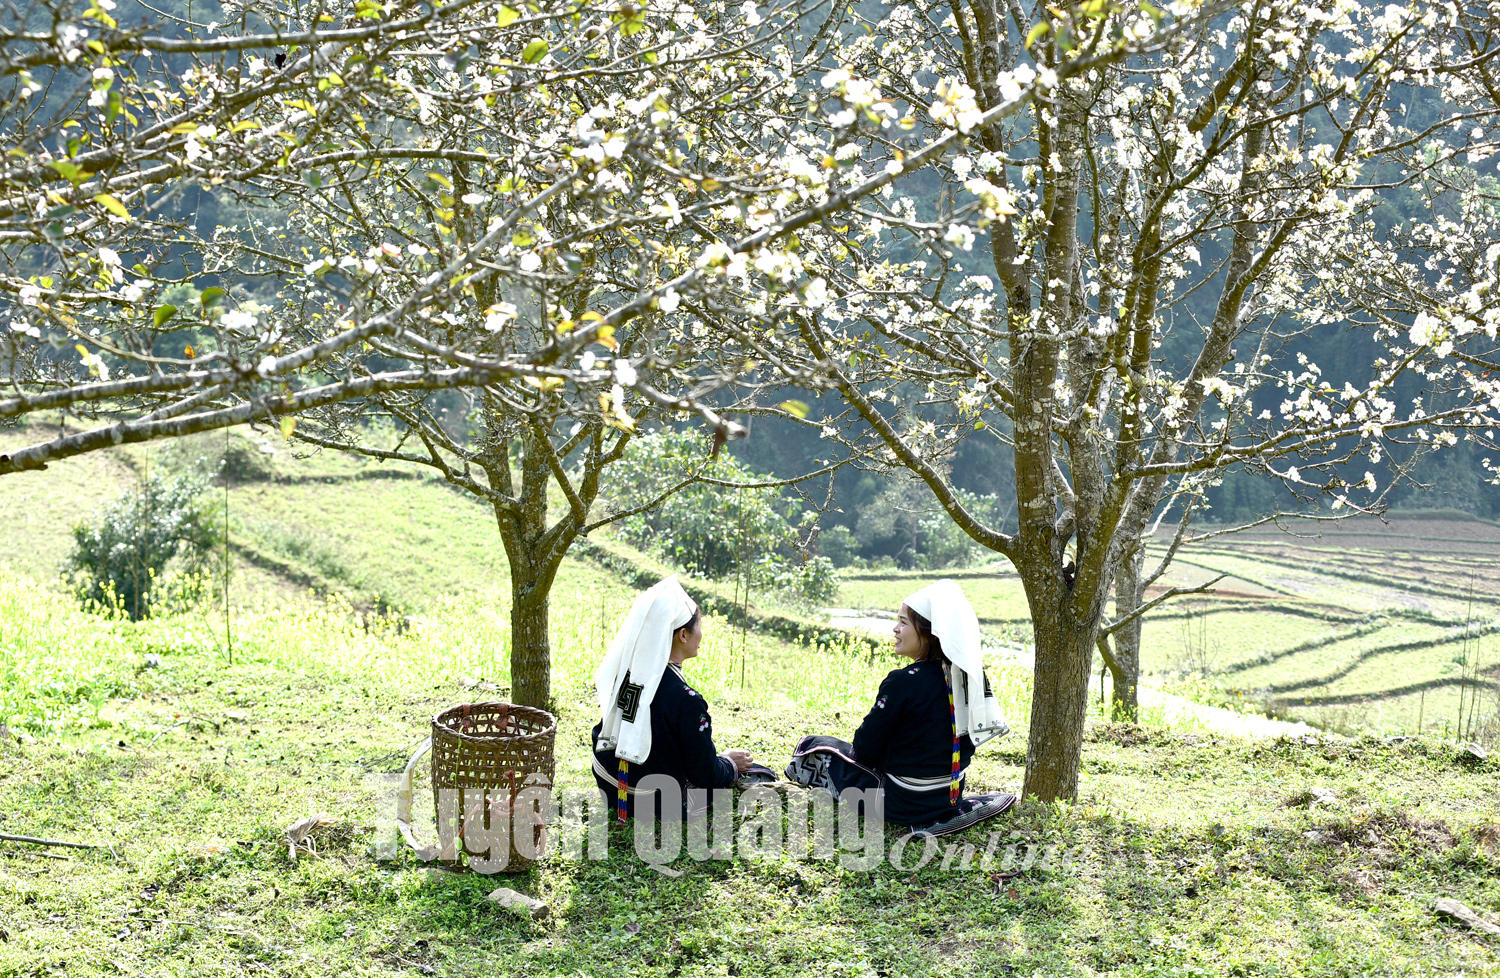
{"points": [[1369, 624]]}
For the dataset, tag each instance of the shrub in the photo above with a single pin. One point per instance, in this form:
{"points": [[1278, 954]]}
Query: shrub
{"points": [[122, 554], [708, 529], [244, 461], [905, 526], [813, 580]]}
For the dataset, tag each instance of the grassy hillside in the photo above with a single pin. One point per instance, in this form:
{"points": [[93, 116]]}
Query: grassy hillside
{"points": [[379, 535], [1185, 856], [1358, 627]]}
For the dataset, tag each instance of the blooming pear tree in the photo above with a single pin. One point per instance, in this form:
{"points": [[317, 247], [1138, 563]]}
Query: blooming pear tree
{"points": [[1119, 278], [497, 226]]}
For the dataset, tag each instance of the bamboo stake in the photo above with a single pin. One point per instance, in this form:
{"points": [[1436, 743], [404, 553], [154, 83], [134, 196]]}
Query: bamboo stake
{"points": [[44, 842], [35, 855]]}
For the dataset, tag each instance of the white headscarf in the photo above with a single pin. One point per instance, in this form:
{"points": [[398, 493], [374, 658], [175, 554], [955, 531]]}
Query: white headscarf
{"points": [[639, 653], [954, 623]]}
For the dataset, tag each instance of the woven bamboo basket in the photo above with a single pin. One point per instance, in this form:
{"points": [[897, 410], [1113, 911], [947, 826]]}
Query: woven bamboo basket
{"points": [[489, 752]]}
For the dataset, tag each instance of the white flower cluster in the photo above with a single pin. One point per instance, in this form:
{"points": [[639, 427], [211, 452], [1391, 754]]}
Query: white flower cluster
{"points": [[954, 105]]}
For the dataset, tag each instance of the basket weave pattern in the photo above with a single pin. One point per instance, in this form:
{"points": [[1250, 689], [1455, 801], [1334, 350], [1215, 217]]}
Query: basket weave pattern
{"points": [[489, 752]]}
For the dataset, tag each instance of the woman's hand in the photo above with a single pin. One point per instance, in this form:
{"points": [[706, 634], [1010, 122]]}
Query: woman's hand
{"points": [[739, 758]]}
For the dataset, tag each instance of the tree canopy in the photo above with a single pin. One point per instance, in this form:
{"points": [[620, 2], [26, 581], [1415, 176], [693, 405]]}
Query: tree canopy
{"points": [[1116, 277]]}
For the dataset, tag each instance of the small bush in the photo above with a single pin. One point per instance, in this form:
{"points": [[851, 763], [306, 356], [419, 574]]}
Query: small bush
{"points": [[121, 555], [245, 461], [708, 530]]}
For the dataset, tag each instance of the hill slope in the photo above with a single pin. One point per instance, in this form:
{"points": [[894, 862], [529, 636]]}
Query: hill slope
{"points": [[1185, 856]]}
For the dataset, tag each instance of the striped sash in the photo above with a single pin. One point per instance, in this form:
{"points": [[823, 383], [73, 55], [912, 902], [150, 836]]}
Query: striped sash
{"points": [[953, 725]]}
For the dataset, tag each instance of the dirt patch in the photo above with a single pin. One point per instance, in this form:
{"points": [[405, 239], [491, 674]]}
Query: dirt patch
{"points": [[1386, 838], [1124, 734]]}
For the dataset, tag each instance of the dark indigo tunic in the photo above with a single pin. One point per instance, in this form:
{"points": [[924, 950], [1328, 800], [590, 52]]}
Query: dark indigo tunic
{"points": [[682, 744], [909, 733]]}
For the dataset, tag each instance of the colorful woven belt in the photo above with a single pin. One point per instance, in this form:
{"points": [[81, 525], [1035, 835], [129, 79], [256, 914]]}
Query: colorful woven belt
{"points": [[953, 724], [623, 782]]}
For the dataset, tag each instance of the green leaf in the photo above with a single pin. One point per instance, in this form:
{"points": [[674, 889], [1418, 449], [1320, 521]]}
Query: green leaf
{"points": [[534, 52], [163, 313], [210, 296], [979, 426], [112, 204], [798, 408], [288, 425], [1036, 32], [70, 172], [506, 16]]}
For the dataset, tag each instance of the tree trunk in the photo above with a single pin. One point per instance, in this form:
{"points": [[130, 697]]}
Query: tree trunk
{"points": [[1059, 702], [1124, 663], [534, 553], [530, 646], [1064, 659]]}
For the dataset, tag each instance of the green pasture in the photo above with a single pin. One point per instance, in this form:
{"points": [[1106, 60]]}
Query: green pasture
{"points": [[38, 509], [995, 591], [1313, 662], [1186, 855], [383, 537]]}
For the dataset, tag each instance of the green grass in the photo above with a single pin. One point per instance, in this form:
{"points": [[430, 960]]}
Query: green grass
{"points": [[995, 592], [1315, 629], [39, 509], [383, 537], [1188, 854]]}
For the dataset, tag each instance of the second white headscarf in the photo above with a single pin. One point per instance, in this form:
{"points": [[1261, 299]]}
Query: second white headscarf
{"points": [[955, 624]]}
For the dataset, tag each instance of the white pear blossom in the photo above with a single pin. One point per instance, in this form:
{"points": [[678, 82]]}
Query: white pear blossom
{"points": [[498, 315], [238, 321]]}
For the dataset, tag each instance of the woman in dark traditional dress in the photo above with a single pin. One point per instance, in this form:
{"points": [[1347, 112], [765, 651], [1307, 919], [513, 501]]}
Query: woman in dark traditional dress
{"points": [[652, 721], [920, 734]]}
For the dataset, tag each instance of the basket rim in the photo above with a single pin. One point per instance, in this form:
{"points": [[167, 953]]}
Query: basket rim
{"points": [[493, 706]]}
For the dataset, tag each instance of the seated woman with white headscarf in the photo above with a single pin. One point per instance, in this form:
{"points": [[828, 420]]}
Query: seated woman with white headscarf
{"points": [[919, 737], [652, 721]]}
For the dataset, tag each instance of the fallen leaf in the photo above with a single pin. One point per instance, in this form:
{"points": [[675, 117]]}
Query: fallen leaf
{"points": [[299, 833]]}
